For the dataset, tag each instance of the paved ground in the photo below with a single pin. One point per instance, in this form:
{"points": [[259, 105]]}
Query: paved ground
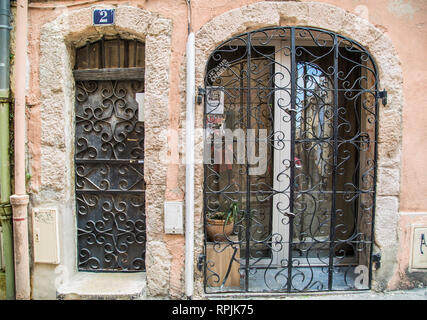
{"points": [[415, 294]]}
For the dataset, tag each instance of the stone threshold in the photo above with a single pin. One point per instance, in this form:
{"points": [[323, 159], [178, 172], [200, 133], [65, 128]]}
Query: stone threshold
{"points": [[413, 294], [103, 286]]}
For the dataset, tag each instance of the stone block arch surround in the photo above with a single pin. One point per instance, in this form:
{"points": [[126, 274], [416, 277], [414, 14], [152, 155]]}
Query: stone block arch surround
{"points": [[323, 16], [58, 40]]}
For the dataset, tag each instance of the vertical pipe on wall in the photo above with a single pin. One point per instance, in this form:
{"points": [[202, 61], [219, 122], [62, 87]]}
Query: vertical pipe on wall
{"points": [[189, 156], [19, 200], [5, 189]]}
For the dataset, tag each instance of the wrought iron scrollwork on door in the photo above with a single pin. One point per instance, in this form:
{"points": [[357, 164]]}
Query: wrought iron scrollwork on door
{"points": [[109, 175], [307, 101]]}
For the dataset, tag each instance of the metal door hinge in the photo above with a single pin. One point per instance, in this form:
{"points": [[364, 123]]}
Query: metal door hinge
{"points": [[200, 94], [200, 262], [376, 260], [383, 95]]}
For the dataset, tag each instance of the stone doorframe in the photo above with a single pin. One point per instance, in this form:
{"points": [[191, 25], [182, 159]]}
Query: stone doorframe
{"points": [[323, 16], [58, 41]]}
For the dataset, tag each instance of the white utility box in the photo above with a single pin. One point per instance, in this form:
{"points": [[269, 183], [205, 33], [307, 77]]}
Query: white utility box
{"points": [[174, 221], [45, 235]]}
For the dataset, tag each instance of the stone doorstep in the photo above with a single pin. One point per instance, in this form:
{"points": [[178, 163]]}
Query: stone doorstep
{"points": [[103, 286], [412, 294]]}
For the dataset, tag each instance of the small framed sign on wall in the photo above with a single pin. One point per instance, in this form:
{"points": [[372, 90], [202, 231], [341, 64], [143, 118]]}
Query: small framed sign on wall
{"points": [[102, 17], [214, 100]]}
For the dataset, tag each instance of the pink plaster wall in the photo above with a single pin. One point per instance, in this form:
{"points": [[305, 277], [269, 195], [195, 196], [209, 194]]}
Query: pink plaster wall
{"points": [[405, 22]]}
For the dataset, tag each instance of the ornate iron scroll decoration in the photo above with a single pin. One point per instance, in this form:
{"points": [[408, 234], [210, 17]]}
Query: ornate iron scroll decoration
{"points": [[109, 174], [309, 225]]}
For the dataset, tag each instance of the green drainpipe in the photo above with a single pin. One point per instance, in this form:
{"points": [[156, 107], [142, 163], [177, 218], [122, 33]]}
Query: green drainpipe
{"points": [[5, 189]]}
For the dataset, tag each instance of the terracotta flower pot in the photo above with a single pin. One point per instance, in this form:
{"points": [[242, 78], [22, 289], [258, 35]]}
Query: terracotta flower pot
{"points": [[217, 231]]}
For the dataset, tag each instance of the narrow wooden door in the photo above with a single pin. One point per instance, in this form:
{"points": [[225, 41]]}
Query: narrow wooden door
{"points": [[109, 175]]}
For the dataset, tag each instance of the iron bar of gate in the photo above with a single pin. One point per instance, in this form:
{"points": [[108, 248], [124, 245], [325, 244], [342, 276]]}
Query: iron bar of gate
{"points": [[208, 160], [334, 168], [242, 103], [376, 119], [233, 257], [292, 142], [304, 125], [357, 174], [248, 178]]}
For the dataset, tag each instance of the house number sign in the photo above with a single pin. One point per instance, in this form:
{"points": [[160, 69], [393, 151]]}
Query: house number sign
{"points": [[102, 17]]}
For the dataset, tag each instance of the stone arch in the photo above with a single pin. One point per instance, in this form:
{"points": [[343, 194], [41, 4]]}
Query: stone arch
{"points": [[328, 17], [58, 40]]}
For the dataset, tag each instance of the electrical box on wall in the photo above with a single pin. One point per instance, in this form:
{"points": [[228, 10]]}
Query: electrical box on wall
{"points": [[419, 248], [45, 235], [173, 217]]}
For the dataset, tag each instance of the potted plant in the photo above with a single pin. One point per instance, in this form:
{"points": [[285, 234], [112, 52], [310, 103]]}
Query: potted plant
{"points": [[220, 224]]}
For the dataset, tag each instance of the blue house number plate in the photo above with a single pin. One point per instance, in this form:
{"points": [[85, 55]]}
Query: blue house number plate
{"points": [[103, 17]]}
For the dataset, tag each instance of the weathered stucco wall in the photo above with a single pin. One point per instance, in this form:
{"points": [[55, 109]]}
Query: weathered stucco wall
{"points": [[391, 29]]}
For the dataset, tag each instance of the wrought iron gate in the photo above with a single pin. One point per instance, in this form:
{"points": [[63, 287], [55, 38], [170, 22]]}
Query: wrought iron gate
{"points": [[109, 174], [299, 215]]}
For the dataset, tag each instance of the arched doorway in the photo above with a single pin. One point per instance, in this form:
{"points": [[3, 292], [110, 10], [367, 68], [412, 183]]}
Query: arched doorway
{"points": [[290, 162]]}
